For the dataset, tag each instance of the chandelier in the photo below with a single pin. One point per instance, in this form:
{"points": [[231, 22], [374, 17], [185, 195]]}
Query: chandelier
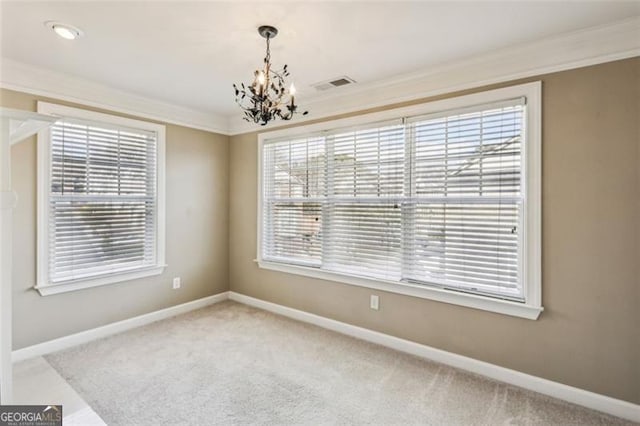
{"points": [[266, 99]]}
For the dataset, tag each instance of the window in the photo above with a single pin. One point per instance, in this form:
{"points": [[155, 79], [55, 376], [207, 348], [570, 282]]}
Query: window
{"points": [[100, 206], [442, 202]]}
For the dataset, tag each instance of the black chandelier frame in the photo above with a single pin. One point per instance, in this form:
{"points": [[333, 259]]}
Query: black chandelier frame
{"points": [[265, 99]]}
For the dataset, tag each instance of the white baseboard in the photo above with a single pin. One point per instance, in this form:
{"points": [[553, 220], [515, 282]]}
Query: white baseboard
{"points": [[113, 328], [571, 394]]}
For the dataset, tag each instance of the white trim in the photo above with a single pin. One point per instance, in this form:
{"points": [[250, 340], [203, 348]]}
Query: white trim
{"points": [[606, 404], [113, 328], [532, 219], [6, 256], [23, 124], [8, 200], [532, 91], [468, 300], [530, 250], [561, 391], [581, 48], [48, 290], [57, 110], [43, 167], [27, 78]]}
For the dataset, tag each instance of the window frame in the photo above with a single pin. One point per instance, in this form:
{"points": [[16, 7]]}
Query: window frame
{"points": [[44, 285], [530, 184]]}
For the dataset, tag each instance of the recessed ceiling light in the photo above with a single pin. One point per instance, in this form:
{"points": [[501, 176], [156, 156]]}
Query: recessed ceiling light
{"points": [[65, 31]]}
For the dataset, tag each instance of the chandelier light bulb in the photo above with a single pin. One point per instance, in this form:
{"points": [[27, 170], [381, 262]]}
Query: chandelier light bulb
{"points": [[292, 90], [261, 78]]}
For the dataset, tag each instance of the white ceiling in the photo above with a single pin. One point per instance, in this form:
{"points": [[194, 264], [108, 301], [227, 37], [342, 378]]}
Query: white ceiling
{"points": [[190, 53]]}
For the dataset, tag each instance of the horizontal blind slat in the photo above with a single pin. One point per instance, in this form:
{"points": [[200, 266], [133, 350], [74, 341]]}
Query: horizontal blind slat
{"points": [[434, 201], [102, 203]]}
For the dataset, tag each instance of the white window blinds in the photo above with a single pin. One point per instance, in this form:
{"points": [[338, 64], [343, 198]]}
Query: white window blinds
{"points": [[434, 200], [102, 200], [464, 206], [362, 207]]}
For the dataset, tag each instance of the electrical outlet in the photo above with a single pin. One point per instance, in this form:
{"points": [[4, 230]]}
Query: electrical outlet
{"points": [[375, 302], [176, 283]]}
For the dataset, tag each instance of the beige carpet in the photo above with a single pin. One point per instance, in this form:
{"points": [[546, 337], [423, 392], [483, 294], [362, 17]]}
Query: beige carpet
{"points": [[232, 364]]}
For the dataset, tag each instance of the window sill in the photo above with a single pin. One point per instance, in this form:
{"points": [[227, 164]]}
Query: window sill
{"points": [[505, 307], [81, 284]]}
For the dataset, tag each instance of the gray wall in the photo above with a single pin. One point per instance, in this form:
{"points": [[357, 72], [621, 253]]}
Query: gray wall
{"points": [[197, 239], [588, 336]]}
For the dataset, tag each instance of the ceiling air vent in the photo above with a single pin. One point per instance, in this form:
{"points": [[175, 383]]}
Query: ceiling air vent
{"points": [[335, 82]]}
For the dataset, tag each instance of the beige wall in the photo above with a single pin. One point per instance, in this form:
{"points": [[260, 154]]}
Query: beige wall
{"points": [[197, 239], [588, 336], [589, 333]]}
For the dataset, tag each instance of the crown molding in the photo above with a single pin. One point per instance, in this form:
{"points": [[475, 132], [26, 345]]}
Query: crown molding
{"points": [[27, 78], [576, 49]]}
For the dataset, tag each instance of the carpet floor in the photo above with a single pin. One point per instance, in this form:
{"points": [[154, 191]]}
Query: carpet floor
{"points": [[233, 364]]}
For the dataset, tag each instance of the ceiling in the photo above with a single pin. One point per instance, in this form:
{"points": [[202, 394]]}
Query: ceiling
{"points": [[190, 53]]}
